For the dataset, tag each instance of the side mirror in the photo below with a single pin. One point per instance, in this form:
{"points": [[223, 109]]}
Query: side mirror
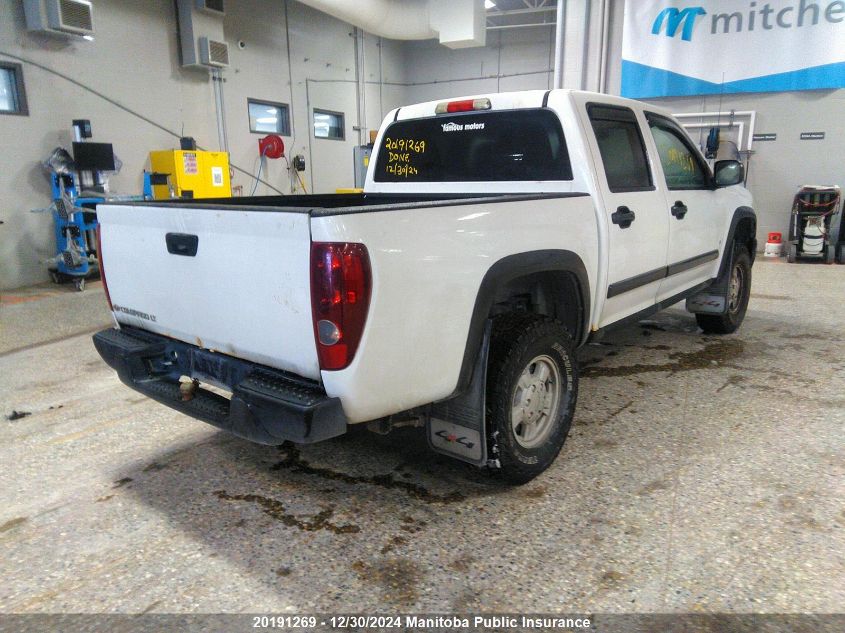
{"points": [[728, 172]]}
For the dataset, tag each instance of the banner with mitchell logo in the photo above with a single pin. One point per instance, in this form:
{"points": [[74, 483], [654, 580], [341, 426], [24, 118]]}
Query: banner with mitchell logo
{"points": [[728, 46]]}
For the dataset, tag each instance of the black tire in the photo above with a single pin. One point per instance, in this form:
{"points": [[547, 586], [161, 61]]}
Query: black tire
{"points": [[730, 321], [791, 252], [517, 342], [829, 253]]}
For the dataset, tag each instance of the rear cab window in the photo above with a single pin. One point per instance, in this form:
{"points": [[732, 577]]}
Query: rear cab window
{"points": [[511, 145]]}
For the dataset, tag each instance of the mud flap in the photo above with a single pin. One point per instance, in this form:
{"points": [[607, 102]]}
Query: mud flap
{"points": [[714, 298], [707, 303], [457, 427]]}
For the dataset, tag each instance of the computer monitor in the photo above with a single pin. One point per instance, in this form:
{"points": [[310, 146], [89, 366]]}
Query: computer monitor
{"points": [[93, 156]]}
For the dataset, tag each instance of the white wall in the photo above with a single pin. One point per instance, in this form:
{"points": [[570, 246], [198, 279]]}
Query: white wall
{"points": [[156, 87], [134, 60], [321, 74], [511, 60]]}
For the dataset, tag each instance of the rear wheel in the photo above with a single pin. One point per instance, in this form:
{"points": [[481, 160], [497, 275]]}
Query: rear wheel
{"points": [[739, 291], [532, 386]]}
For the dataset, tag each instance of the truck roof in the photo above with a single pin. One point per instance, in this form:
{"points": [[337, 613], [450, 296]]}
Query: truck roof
{"points": [[516, 100]]}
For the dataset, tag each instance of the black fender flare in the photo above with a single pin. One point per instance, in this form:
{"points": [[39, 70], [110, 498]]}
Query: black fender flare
{"points": [[508, 269], [740, 213]]}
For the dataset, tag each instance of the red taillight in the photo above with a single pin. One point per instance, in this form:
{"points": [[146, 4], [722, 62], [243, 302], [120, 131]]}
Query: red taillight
{"points": [[102, 270], [459, 106], [340, 297], [463, 105]]}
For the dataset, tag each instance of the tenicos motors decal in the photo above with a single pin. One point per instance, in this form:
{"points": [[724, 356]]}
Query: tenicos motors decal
{"points": [[451, 126]]}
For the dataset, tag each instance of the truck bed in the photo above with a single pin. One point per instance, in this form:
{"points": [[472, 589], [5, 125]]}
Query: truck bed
{"points": [[233, 276]]}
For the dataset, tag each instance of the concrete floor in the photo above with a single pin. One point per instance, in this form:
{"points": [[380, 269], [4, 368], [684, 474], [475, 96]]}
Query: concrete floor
{"points": [[702, 474]]}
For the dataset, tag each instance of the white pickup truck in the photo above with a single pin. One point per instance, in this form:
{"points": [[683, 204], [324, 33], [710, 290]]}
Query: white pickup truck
{"points": [[494, 236]]}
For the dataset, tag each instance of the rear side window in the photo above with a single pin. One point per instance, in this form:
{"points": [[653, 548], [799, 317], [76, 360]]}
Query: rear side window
{"points": [[622, 149], [514, 145]]}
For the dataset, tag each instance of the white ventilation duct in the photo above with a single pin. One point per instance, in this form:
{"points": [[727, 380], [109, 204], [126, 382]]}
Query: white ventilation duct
{"points": [[457, 23]]}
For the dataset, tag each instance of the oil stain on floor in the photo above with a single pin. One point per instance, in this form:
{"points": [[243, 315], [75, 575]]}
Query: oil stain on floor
{"points": [[277, 510], [294, 462], [712, 355]]}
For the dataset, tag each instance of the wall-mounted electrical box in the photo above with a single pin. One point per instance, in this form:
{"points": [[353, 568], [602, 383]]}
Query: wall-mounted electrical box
{"points": [[60, 17], [201, 33], [361, 155]]}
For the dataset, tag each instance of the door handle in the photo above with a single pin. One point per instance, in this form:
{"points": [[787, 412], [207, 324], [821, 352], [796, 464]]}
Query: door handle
{"points": [[679, 209], [623, 216]]}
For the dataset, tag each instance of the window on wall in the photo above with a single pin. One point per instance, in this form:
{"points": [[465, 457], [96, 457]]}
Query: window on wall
{"points": [[329, 125], [267, 117], [12, 93]]}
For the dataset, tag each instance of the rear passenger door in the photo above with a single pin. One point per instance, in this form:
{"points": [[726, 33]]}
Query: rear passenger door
{"points": [[696, 218], [638, 225]]}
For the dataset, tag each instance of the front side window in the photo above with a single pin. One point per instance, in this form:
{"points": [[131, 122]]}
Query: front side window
{"points": [[12, 93], [681, 165], [508, 145], [622, 150]]}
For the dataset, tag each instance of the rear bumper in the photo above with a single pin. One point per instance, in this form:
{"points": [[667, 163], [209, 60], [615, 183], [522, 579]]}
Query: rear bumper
{"points": [[267, 406]]}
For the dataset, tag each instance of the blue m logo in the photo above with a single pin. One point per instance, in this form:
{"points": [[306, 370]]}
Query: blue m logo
{"points": [[674, 18]]}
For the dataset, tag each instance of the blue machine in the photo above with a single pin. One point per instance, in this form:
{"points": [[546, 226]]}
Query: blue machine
{"points": [[75, 216], [75, 222]]}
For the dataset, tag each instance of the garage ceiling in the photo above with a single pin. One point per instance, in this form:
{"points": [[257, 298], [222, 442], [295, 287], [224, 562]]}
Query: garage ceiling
{"points": [[514, 14]]}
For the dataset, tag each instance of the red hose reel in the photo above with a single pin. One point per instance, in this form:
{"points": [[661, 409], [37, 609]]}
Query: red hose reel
{"points": [[271, 146]]}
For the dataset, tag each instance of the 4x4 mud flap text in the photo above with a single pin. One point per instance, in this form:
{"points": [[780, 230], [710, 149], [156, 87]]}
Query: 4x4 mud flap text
{"points": [[456, 427]]}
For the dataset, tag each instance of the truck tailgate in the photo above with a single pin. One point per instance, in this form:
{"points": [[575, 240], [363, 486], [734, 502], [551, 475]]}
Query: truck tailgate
{"points": [[245, 292]]}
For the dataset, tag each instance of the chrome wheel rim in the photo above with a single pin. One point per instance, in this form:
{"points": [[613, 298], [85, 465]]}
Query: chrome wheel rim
{"points": [[535, 402], [735, 289]]}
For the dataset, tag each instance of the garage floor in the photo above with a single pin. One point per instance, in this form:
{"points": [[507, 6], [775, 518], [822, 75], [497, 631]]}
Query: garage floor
{"points": [[702, 473]]}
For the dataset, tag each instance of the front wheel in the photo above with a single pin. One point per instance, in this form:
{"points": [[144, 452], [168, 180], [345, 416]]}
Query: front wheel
{"points": [[532, 386], [739, 291]]}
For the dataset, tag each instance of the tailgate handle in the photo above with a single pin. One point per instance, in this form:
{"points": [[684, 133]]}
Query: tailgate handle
{"points": [[182, 244]]}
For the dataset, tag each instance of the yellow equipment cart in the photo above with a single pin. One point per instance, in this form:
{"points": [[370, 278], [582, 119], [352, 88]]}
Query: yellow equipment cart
{"points": [[191, 174]]}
